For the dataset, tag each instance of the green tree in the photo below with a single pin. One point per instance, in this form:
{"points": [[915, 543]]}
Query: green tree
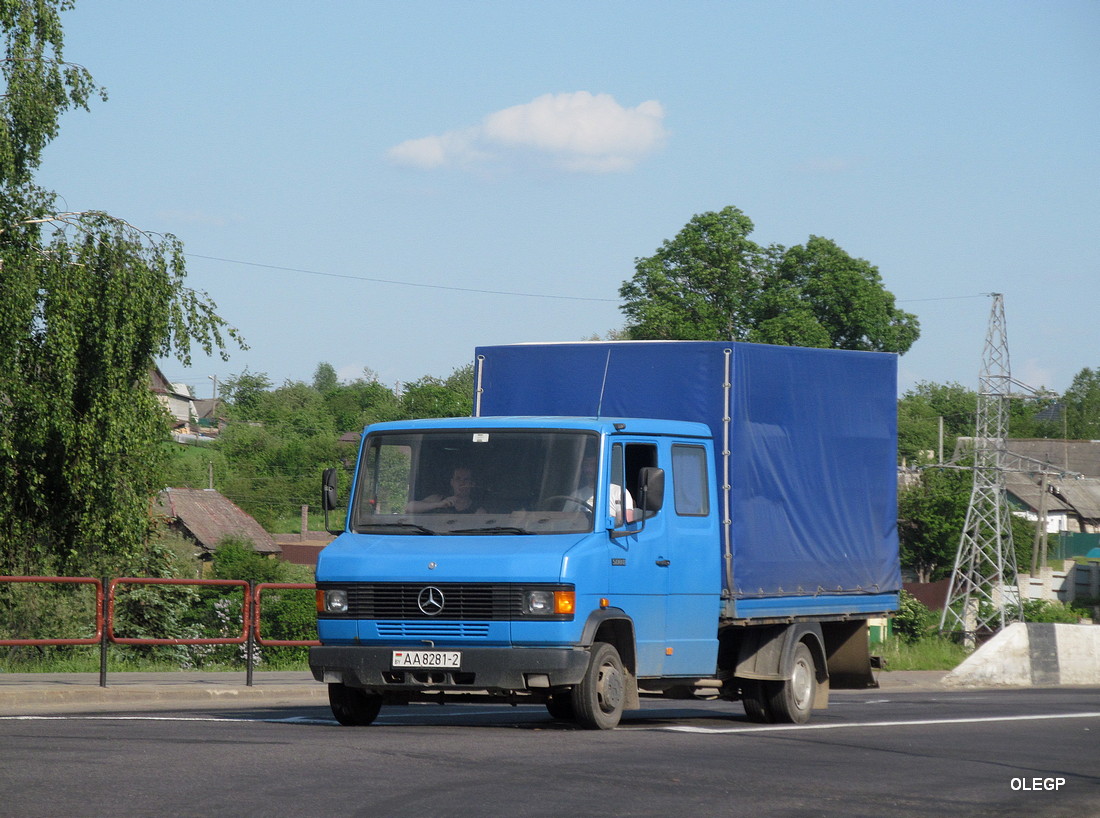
{"points": [[87, 302], [360, 403], [712, 282], [41, 86], [931, 516], [919, 413], [1081, 404], [244, 392], [431, 397], [700, 285], [324, 378]]}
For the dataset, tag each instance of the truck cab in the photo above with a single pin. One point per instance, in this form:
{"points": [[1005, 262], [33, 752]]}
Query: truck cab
{"points": [[503, 557]]}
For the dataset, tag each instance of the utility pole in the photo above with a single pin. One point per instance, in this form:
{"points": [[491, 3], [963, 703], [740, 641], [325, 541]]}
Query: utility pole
{"points": [[985, 564]]}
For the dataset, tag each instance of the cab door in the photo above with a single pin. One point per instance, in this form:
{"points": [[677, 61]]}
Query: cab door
{"points": [[667, 567], [638, 579]]}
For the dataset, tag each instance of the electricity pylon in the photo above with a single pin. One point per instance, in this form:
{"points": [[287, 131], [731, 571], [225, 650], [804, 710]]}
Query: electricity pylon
{"points": [[982, 595]]}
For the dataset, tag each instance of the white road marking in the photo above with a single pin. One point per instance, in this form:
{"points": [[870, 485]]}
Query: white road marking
{"points": [[910, 723], [673, 728]]}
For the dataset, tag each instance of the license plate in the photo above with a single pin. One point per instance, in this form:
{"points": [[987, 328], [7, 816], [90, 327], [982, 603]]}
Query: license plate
{"points": [[427, 658]]}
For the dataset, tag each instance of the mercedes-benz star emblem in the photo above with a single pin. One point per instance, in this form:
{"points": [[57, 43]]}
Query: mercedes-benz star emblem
{"points": [[430, 601]]}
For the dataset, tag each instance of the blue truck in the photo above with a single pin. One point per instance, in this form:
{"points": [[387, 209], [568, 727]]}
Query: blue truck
{"points": [[623, 519]]}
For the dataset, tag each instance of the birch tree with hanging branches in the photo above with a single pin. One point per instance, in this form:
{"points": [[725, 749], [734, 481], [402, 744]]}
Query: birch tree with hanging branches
{"points": [[87, 303]]}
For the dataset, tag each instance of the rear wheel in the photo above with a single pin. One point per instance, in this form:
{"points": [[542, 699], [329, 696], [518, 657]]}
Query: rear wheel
{"points": [[792, 700], [352, 706], [598, 699]]}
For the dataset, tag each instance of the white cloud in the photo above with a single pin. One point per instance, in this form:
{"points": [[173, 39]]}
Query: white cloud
{"points": [[579, 131]]}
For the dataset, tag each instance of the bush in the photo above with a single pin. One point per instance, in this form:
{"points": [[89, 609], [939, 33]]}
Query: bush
{"points": [[914, 620], [44, 611], [929, 653], [286, 613], [1045, 610]]}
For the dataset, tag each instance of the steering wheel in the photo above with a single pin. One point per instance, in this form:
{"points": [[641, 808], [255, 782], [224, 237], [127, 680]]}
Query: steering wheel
{"points": [[566, 498]]}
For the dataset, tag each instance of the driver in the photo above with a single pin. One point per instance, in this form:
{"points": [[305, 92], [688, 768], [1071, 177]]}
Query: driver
{"points": [[460, 500], [585, 493]]}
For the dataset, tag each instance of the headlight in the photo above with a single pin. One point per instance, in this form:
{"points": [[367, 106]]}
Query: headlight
{"points": [[549, 603], [538, 603], [333, 601]]}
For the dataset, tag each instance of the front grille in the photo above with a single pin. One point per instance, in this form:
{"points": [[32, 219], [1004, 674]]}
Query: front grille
{"points": [[433, 630], [461, 601]]}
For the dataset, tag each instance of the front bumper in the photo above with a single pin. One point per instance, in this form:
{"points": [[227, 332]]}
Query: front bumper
{"points": [[489, 669]]}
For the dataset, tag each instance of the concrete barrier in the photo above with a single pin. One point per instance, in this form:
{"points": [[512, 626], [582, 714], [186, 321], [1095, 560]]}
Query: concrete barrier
{"points": [[1033, 655]]}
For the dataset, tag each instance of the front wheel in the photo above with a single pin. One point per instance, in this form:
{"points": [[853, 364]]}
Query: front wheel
{"points": [[352, 706], [790, 701], [598, 699]]}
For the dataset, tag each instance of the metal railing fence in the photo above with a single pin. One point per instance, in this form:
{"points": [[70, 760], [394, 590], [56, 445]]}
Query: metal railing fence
{"points": [[107, 594]]}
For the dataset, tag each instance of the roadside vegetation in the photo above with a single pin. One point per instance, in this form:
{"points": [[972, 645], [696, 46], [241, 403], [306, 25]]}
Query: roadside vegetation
{"points": [[37, 611], [916, 643], [90, 302]]}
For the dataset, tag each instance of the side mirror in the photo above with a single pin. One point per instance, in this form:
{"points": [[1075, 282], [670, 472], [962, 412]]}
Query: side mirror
{"points": [[651, 481], [651, 488], [328, 489], [328, 496]]}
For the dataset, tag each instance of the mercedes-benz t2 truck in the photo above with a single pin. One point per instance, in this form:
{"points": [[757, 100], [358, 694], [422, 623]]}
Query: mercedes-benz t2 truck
{"points": [[618, 520]]}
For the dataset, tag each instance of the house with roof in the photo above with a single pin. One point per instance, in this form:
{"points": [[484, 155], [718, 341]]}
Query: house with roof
{"points": [[1065, 485], [176, 398], [206, 517], [1059, 479]]}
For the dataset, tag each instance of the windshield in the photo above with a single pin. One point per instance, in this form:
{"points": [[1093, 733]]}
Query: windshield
{"points": [[484, 481]]}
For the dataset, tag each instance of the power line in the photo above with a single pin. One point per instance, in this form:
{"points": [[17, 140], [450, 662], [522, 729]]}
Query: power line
{"points": [[943, 298], [402, 283], [484, 291]]}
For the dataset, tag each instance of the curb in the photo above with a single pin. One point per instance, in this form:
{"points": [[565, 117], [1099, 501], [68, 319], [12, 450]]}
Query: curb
{"points": [[159, 696], [29, 692], [1033, 655]]}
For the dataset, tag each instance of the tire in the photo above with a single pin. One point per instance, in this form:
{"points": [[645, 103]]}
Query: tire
{"points": [[755, 701], [791, 701], [352, 706], [598, 699], [560, 706]]}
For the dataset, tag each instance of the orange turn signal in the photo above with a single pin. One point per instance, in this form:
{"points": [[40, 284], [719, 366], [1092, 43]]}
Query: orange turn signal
{"points": [[565, 602]]}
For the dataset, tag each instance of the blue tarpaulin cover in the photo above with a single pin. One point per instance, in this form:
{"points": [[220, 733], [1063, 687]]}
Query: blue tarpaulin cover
{"points": [[812, 437]]}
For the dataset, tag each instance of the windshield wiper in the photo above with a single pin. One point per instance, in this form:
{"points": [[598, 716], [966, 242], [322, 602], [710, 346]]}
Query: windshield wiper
{"points": [[395, 524], [492, 529]]}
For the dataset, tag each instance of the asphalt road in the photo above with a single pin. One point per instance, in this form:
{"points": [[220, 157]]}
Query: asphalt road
{"points": [[873, 753]]}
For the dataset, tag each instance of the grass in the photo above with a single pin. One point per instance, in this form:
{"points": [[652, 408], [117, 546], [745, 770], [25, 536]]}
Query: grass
{"points": [[86, 660], [292, 523], [929, 653]]}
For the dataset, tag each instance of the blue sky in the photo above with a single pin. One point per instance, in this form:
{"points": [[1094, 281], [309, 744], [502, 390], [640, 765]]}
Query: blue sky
{"points": [[387, 185]]}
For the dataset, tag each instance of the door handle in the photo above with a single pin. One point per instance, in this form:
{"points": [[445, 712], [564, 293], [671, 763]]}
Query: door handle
{"points": [[664, 563]]}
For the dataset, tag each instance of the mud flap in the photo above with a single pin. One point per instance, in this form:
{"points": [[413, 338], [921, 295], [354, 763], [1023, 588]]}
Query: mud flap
{"points": [[848, 653]]}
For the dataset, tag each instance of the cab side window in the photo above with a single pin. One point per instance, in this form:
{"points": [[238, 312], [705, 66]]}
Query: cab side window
{"points": [[638, 456], [627, 461], [689, 480]]}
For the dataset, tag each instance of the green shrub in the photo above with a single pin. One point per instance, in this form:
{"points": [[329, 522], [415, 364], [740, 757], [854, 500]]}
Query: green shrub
{"points": [[914, 620], [1046, 610], [929, 653]]}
